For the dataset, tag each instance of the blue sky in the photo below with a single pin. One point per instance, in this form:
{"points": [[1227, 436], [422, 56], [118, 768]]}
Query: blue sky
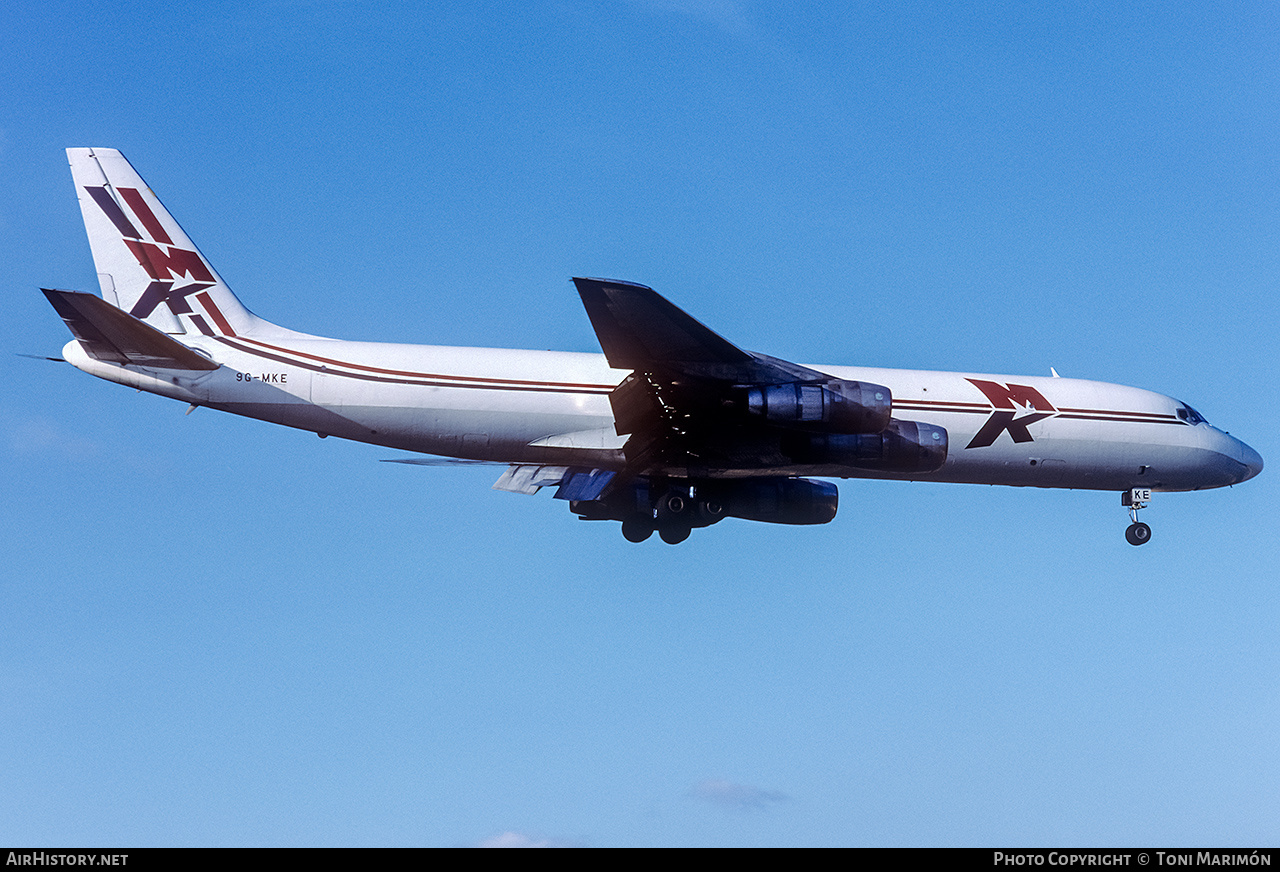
{"points": [[219, 632]]}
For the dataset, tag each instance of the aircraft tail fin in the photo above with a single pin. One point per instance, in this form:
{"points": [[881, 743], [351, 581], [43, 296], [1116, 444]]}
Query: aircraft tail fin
{"points": [[147, 265]]}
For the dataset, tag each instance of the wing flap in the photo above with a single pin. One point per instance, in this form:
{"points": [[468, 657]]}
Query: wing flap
{"points": [[575, 482], [521, 478], [108, 334], [584, 484]]}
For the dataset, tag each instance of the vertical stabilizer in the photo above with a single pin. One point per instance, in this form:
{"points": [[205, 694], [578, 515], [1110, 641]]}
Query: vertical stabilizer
{"points": [[147, 266]]}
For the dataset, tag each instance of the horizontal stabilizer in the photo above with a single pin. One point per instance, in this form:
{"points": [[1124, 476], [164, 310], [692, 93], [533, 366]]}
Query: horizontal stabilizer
{"points": [[108, 334]]}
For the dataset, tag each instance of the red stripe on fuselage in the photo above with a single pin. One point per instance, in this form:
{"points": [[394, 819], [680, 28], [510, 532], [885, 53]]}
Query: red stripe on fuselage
{"points": [[423, 379], [512, 382], [1073, 414], [1161, 415]]}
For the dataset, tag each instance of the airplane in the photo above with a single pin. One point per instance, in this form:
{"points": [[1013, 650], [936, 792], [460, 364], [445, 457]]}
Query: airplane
{"points": [[673, 428]]}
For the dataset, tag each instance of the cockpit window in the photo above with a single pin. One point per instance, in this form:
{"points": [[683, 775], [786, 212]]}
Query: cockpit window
{"points": [[1190, 415]]}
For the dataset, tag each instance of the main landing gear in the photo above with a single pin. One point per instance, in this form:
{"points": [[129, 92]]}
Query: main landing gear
{"points": [[674, 516], [1136, 498]]}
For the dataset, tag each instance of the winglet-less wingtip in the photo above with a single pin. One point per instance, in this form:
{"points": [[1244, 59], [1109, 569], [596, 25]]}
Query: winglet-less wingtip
{"points": [[638, 327]]}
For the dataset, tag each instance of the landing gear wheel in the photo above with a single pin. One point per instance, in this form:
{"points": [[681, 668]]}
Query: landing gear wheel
{"points": [[672, 515], [710, 511], [636, 530], [672, 506], [1138, 533]]}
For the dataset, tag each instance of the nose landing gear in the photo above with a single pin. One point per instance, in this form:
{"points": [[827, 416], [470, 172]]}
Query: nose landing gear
{"points": [[1136, 498]]}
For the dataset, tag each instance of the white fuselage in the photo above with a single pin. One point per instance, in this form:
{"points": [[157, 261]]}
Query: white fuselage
{"points": [[553, 407]]}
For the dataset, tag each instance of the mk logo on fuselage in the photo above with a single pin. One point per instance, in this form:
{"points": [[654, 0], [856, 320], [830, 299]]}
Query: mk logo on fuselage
{"points": [[1009, 402], [159, 257]]}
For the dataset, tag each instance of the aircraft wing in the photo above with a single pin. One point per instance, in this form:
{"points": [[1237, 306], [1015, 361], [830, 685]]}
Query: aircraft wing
{"points": [[641, 330], [694, 401]]}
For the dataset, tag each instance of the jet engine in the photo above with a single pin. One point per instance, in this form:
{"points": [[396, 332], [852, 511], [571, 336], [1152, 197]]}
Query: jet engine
{"points": [[836, 406], [688, 504], [903, 446], [778, 500]]}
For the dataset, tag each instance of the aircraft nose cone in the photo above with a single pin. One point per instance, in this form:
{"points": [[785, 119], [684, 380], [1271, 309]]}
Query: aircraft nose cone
{"points": [[1251, 459]]}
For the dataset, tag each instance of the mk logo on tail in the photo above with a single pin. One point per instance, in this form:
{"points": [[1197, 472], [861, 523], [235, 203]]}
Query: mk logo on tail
{"points": [[159, 257], [1014, 399]]}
